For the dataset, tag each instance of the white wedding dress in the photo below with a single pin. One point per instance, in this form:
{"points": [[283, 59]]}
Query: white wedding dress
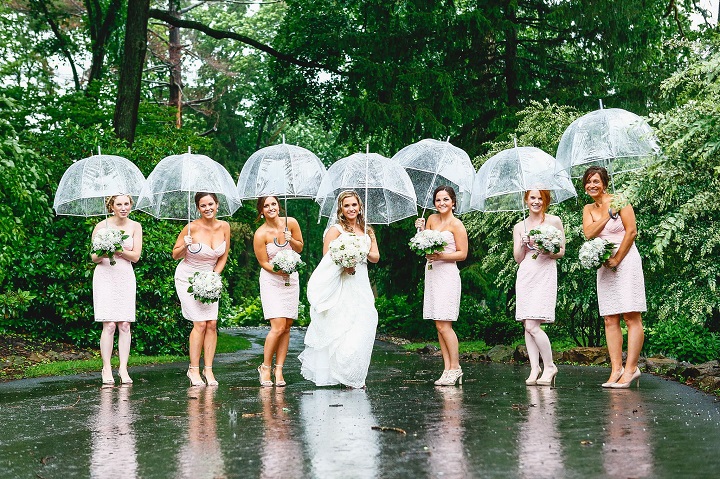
{"points": [[343, 320]]}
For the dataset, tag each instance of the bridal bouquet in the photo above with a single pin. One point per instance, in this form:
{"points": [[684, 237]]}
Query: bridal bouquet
{"points": [[595, 252], [107, 242], [347, 250], [427, 242], [206, 286], [287, 261], [547, 239]]}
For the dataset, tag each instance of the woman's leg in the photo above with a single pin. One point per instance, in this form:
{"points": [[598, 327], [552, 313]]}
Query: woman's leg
{"points": [[107, 338], [448, 344], [209, 345], [542, 342], [197, 338], [636, 338], [124, 339], [614, 339], [272, 346], [282, 350], [532, 349]]}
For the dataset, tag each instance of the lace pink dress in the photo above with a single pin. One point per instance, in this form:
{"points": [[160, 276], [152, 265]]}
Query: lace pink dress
{"points": [[441, 301], [203, 260], [536, 288], [623, 290], [114, 288], [278, 300]]}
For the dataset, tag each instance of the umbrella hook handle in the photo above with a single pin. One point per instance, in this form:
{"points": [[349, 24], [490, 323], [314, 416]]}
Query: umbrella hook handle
{"points": [[281, 245]]}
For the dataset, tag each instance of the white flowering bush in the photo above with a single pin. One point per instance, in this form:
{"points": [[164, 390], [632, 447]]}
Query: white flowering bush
{"points": [[206, 286], [107, 242], [593, 253], [347, 250], [547, 239], [427, 242], [287, 261]]}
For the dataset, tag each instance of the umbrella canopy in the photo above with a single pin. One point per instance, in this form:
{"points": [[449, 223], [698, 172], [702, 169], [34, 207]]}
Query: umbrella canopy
{"points": [[383, 184], [87, 182], [614, 138], [501, 182], [170, 189], [286, 171], [432, 163]]}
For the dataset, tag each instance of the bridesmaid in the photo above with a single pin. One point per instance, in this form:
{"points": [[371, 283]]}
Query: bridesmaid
{"points": [[536, 286], [620, 281], [280, 302], [114, 287], [442, 282], [202, 245]]}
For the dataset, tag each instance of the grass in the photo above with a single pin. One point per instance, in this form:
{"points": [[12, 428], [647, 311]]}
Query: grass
{"points": [[226, 344], [562, 344]]}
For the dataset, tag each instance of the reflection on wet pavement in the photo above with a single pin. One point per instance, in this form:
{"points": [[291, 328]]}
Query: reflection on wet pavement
{"points": [[492, 426]]}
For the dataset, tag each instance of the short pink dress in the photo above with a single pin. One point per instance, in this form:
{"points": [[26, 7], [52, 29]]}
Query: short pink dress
{"points": [[622, 290], [114, 288], [441, 301], [203, 260], [536, 288], [278, 300]]}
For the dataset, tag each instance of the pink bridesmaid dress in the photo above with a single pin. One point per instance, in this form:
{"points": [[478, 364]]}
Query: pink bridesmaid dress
{"points": [[441, 301], [278, 300], [203, 260]]}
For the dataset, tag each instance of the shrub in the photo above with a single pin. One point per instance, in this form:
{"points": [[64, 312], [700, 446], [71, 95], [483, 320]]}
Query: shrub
{"points": [[683, 340]]}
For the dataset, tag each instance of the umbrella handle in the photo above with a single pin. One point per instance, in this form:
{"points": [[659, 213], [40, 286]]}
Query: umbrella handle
{"points": [[283, 244]]}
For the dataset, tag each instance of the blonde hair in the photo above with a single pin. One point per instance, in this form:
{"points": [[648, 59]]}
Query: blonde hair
{"points": [[110, 200], [360, 217]]}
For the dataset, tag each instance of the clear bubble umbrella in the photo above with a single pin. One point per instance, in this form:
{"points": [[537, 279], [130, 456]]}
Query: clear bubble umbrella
{"points": [[614, 138], [388, 193], [501, 182], [432, 163], [170, 189], [285, 171], [88, 182]]}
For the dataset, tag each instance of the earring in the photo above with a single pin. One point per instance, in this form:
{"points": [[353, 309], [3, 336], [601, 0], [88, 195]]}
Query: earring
{"points": [[262, 216]]}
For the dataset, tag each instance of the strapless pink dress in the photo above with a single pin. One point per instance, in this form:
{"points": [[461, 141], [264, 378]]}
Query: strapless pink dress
{"points": [[441, 301], [203, 260], [278, 300], [114, 288]]}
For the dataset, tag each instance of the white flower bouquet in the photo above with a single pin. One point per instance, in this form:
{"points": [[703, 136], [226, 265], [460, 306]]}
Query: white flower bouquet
{"points": [[107, 242], [595, 252], [547, 239], [287, 261], [347, 250], [427, 242], [206, 286]]}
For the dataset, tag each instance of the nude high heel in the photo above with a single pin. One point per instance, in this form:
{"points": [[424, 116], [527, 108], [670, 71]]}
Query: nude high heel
{"points": [[453, 376], [614, 380], [635, 376], [209, 383], [547, 381], [441, 380], [532, 381], [281, 383], [265, 384], [194, 383]]}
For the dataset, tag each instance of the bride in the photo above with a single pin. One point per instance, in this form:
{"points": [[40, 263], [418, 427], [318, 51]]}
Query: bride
{"points": [[343, 318]]}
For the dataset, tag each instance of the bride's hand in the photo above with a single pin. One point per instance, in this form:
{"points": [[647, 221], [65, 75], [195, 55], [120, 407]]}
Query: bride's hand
{"points": [[350, 270]]}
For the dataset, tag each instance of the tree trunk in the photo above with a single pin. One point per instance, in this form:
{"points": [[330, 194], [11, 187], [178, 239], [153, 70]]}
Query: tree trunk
{"points": [[175, 64], [128, 100], [101, 28], [511, 52]]}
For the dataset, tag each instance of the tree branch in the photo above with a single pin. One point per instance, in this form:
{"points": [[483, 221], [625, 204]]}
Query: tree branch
{"points": [[165, 16]]}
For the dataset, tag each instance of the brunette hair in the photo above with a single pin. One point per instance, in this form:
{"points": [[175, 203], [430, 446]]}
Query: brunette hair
{"points": [[544, 196], [110, 200], [449, 190], [202, 194], [360, 217], [604, 177], [261, 204]]}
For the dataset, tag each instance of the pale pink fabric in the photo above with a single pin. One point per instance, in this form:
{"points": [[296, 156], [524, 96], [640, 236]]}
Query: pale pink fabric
{"points": [[536, 288], [442, 286], [278, 300], [623, 290], [114, 288], [203, 260]]}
